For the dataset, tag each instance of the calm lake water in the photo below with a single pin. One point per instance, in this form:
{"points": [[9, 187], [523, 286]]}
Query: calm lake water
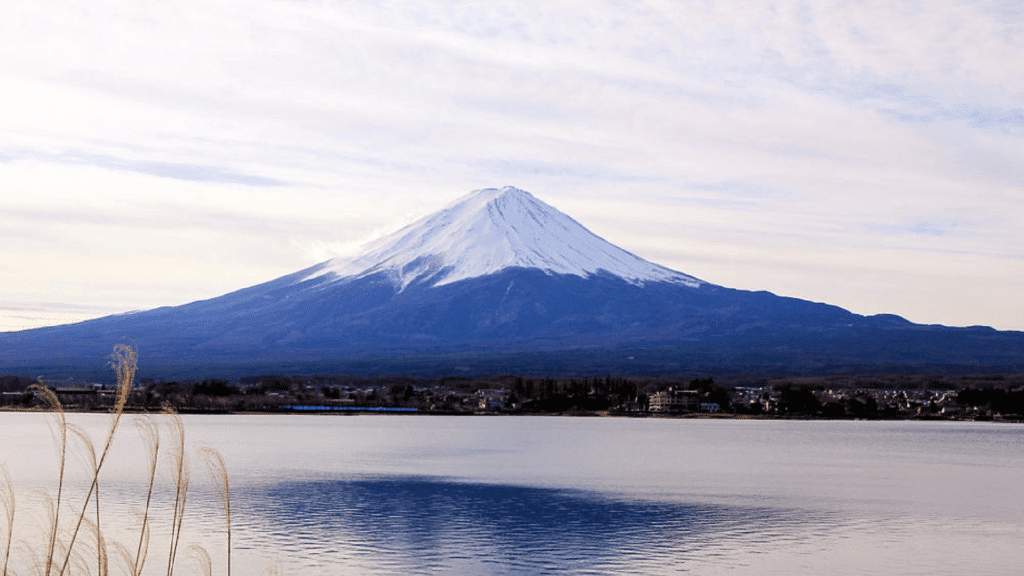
{"points": [[324, 495]]}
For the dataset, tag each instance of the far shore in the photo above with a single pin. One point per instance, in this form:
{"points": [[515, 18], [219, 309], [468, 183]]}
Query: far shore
{"points": [[577, 414]]}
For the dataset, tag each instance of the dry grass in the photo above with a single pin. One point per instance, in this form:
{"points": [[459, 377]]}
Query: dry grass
{"points": [[75, 541], [7, 502]]}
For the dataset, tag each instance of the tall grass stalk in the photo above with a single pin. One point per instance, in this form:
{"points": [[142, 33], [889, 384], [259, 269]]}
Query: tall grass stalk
{"points": [[151, 436], [124, 361], [181, 480], [202, 558], [102, 560], [219, 471], [69, 537], [91, 461], [50, 399], [7, 502]]}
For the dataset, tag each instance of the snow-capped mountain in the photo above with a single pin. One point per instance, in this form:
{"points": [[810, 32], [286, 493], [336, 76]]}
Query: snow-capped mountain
{"points": [[491, 230], [506, 279]]}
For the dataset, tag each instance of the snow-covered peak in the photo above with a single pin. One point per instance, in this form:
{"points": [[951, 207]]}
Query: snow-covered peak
{"points": [[490, 230]]}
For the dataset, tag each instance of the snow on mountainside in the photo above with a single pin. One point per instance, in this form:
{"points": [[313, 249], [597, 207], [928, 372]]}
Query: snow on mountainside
{"points": [[491, 230]]}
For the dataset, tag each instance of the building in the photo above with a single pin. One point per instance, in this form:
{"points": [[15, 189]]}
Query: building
{"points": [[673, 401]]}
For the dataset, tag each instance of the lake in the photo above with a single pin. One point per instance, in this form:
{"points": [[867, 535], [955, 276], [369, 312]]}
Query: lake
{"points": [[363, 494]]}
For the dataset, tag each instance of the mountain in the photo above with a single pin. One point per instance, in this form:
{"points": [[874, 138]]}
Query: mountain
{"points": [[489, 231], [500, 281]]}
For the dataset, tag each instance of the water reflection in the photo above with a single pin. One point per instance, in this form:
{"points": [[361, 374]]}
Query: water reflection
{"points": [[416, 525]]}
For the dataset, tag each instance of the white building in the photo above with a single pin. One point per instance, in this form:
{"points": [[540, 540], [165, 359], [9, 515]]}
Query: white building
{"points": [[673, 400]]}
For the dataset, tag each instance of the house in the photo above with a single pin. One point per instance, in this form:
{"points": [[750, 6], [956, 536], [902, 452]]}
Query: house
{"points": [[491, 399]]}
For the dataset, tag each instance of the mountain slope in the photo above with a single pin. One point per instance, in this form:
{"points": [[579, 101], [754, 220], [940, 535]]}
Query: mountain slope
{"points": [[498, 274]]}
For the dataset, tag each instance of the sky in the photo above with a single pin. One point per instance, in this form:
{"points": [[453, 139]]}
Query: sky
{"points": [[865, 154]]}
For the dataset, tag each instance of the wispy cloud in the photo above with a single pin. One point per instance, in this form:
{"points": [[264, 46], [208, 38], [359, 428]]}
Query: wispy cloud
{"points": [[177, 171], [284, 128], [190, 172]]}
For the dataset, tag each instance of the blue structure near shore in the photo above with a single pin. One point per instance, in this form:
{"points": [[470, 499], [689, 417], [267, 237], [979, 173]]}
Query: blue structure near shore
{"points": [[316, 408]]}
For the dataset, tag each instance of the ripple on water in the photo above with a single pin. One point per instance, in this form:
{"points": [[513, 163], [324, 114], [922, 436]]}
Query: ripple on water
{"points": [[432, 526]]}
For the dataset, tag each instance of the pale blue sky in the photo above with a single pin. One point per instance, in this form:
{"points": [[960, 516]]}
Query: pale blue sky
{"points": [[866, 154]]}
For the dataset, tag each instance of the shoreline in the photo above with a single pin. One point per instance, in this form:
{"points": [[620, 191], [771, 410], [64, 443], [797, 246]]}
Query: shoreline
{"points": [[598, 414]]}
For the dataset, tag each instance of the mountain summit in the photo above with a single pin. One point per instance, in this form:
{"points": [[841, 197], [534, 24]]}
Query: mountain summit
{"points": [[491, 230], [499, 281]]}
